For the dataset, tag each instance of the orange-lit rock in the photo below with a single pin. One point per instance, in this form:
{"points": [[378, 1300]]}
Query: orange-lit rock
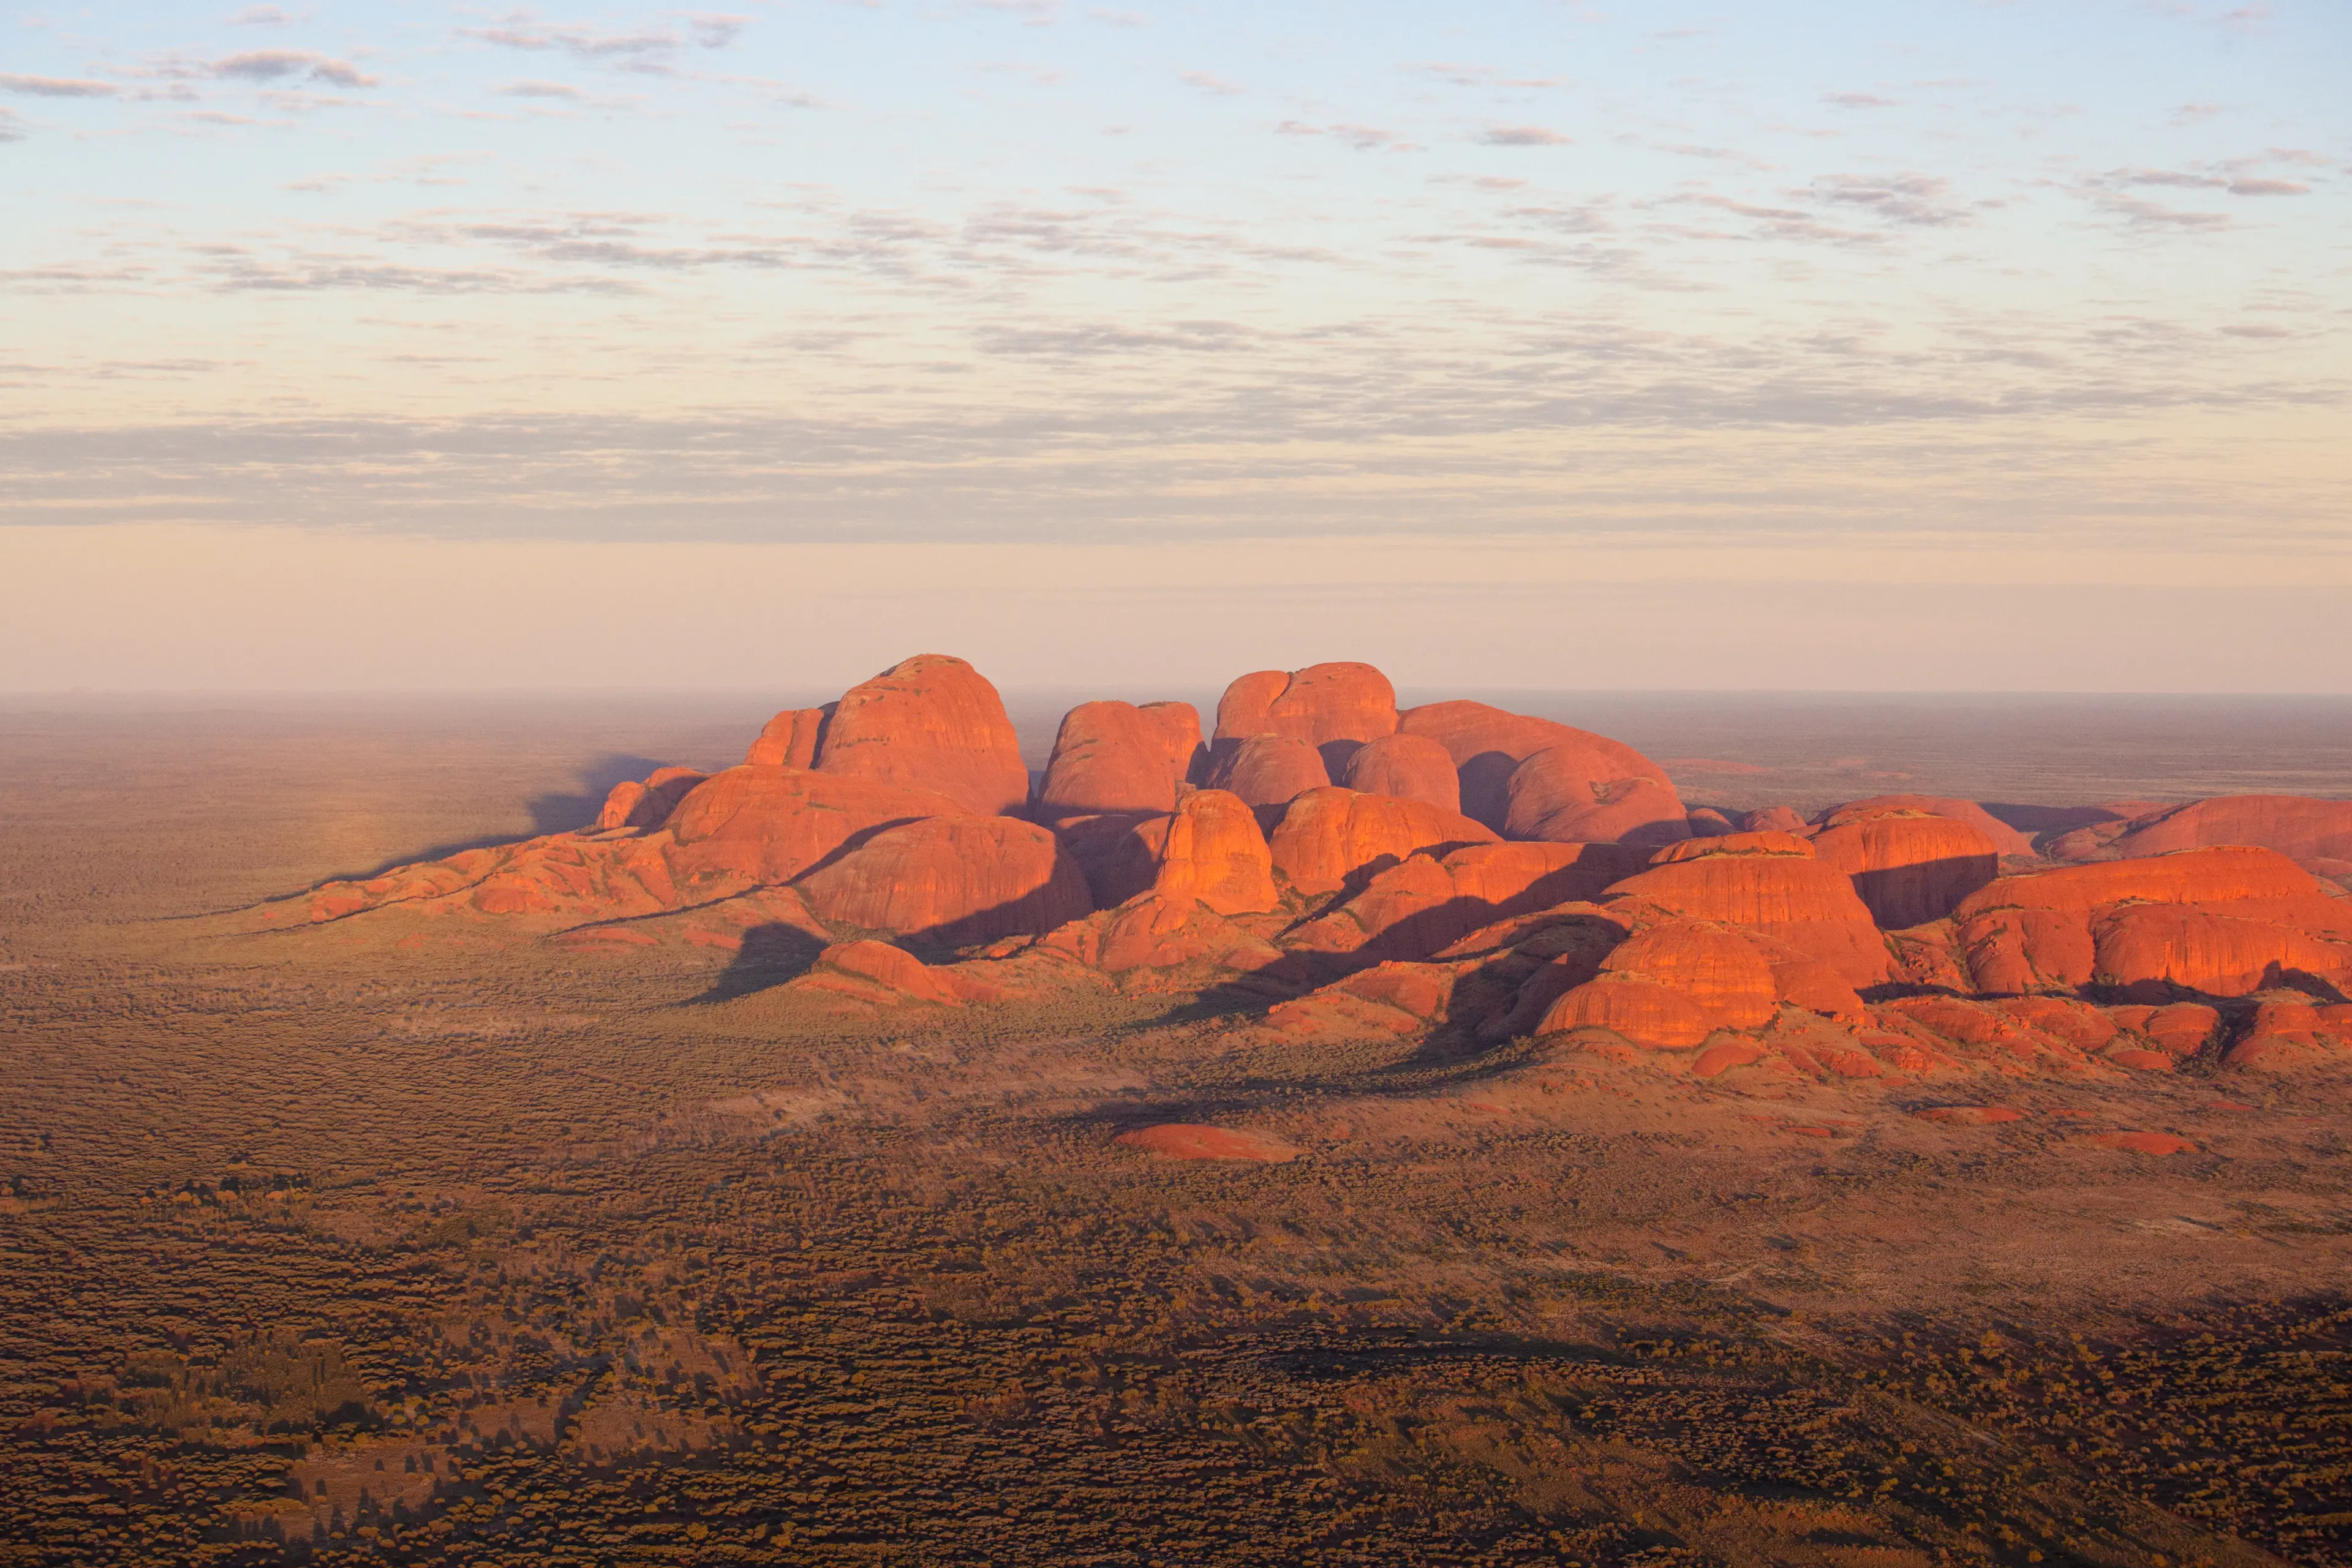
{"points": [[1333, 707], [1642, 1011], [2301, 828], [1269, 770], [1910, 869], [1797, 901], [792, 739], [1411, 767], [877, 974], [1424, 905], [1707, 821], [929, 722], [649, 803], [2005, 839], [1775, 819], [1710, 965], [1211, 852], [1115, 757], [2194, 876], [2219, 954], [954, 879], [1488, 745], [772, 824], [1582, 792], [1749, 843], [1330, 835]]}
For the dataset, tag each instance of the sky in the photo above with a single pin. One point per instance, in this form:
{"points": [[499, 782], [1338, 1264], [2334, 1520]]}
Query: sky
{"points": [[1943, 345]]}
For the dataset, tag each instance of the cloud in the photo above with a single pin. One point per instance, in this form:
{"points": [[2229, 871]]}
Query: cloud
{"points": [[1918, 199], [1523, 136], [262, 16], [1208, 83], [1363, 138], [281, 64], [585, 42], [10, 128], [715, 31], [531, 88], [1858, 101], [55, 86]]}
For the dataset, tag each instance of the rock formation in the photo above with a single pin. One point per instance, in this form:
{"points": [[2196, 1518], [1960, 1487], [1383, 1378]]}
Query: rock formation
{"points": [[954, 880], [793, 739], [929, 722], [1331, 836], [1907, 867], [1411, 767], [1117, 758], [1333, 707], [1269, 770], [1588, 781]]}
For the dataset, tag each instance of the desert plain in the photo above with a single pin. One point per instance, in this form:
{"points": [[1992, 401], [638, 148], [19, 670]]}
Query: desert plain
{"points": [[356, 1213]]}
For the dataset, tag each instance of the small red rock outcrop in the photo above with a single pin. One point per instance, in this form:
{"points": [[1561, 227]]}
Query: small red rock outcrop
{"points": [[929, 722], [1411, 767], [1330, 835], [952, 879], [792, 739], [647, 804], [874, 974]]}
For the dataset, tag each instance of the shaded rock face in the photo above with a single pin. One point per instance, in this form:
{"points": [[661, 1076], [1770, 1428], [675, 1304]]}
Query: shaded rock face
{"points": [[952, 879], [864, 977], [1115, 758], [1333, 707], [1411, 767], [792, 739], [1588, 781], [1428, 905], [929, 722], [1328, 836], [1269, 770], [1211, 852], [1910, 869], [648, 804]]}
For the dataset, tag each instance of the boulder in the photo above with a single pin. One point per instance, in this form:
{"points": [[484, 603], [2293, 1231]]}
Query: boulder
{"points": [[1910, 867], [648, 804], [1712, 964], [880, 975], [773, 824], [1579, 794], [792, 739], [1411, 767], [1750, 843], [1333, 707], [1643, 1011], [1209, 851], [2006, 840], [1707, 821], [929, 722], [1487, 745], [1811, 907], [1331, 836], [1269, 770], [1774, 819], [952, 879], [2301, 828], [1115, 757]]}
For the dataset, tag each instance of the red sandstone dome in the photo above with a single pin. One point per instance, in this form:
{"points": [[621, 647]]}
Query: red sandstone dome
{"points": [[2005, 839], [2301, 828], [1334, 707], [929, 722], [1910, 869], [1411, 767], [772, 824], [1115, 757], [1330, 836], [1585, 782], [1269, 770], [952, 879]]}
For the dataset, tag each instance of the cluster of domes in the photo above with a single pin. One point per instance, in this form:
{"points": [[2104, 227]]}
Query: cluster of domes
{"points": [[1366, 868]]}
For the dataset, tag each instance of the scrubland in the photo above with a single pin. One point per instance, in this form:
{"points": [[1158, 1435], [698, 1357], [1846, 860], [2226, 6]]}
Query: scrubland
{"points": [[540, 1256]]}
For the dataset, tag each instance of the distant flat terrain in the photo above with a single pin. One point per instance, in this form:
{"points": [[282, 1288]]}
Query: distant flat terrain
{"points": [[543, 1255]]}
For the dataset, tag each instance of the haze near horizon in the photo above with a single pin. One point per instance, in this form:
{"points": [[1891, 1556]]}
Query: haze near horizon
{"points": [[1918, 347]]}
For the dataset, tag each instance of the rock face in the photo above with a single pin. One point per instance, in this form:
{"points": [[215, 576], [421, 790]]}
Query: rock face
{"points": [[2301, 828], [1411, 767], [864, 976], [792, 739], [649, 803], [2218, 919], [1269, 770], [1589, 781], [1793, 898], [770, 825], [1211, 852], [1425, 905], [2005, 839], [1115, 757], [952, 879], [1333, 707], [1910, 867], [929, 722], [1330, 835]]}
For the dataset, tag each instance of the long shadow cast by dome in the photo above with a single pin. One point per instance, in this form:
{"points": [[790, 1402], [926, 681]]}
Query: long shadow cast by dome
{"points": [[770, 954], [558, 813]]}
